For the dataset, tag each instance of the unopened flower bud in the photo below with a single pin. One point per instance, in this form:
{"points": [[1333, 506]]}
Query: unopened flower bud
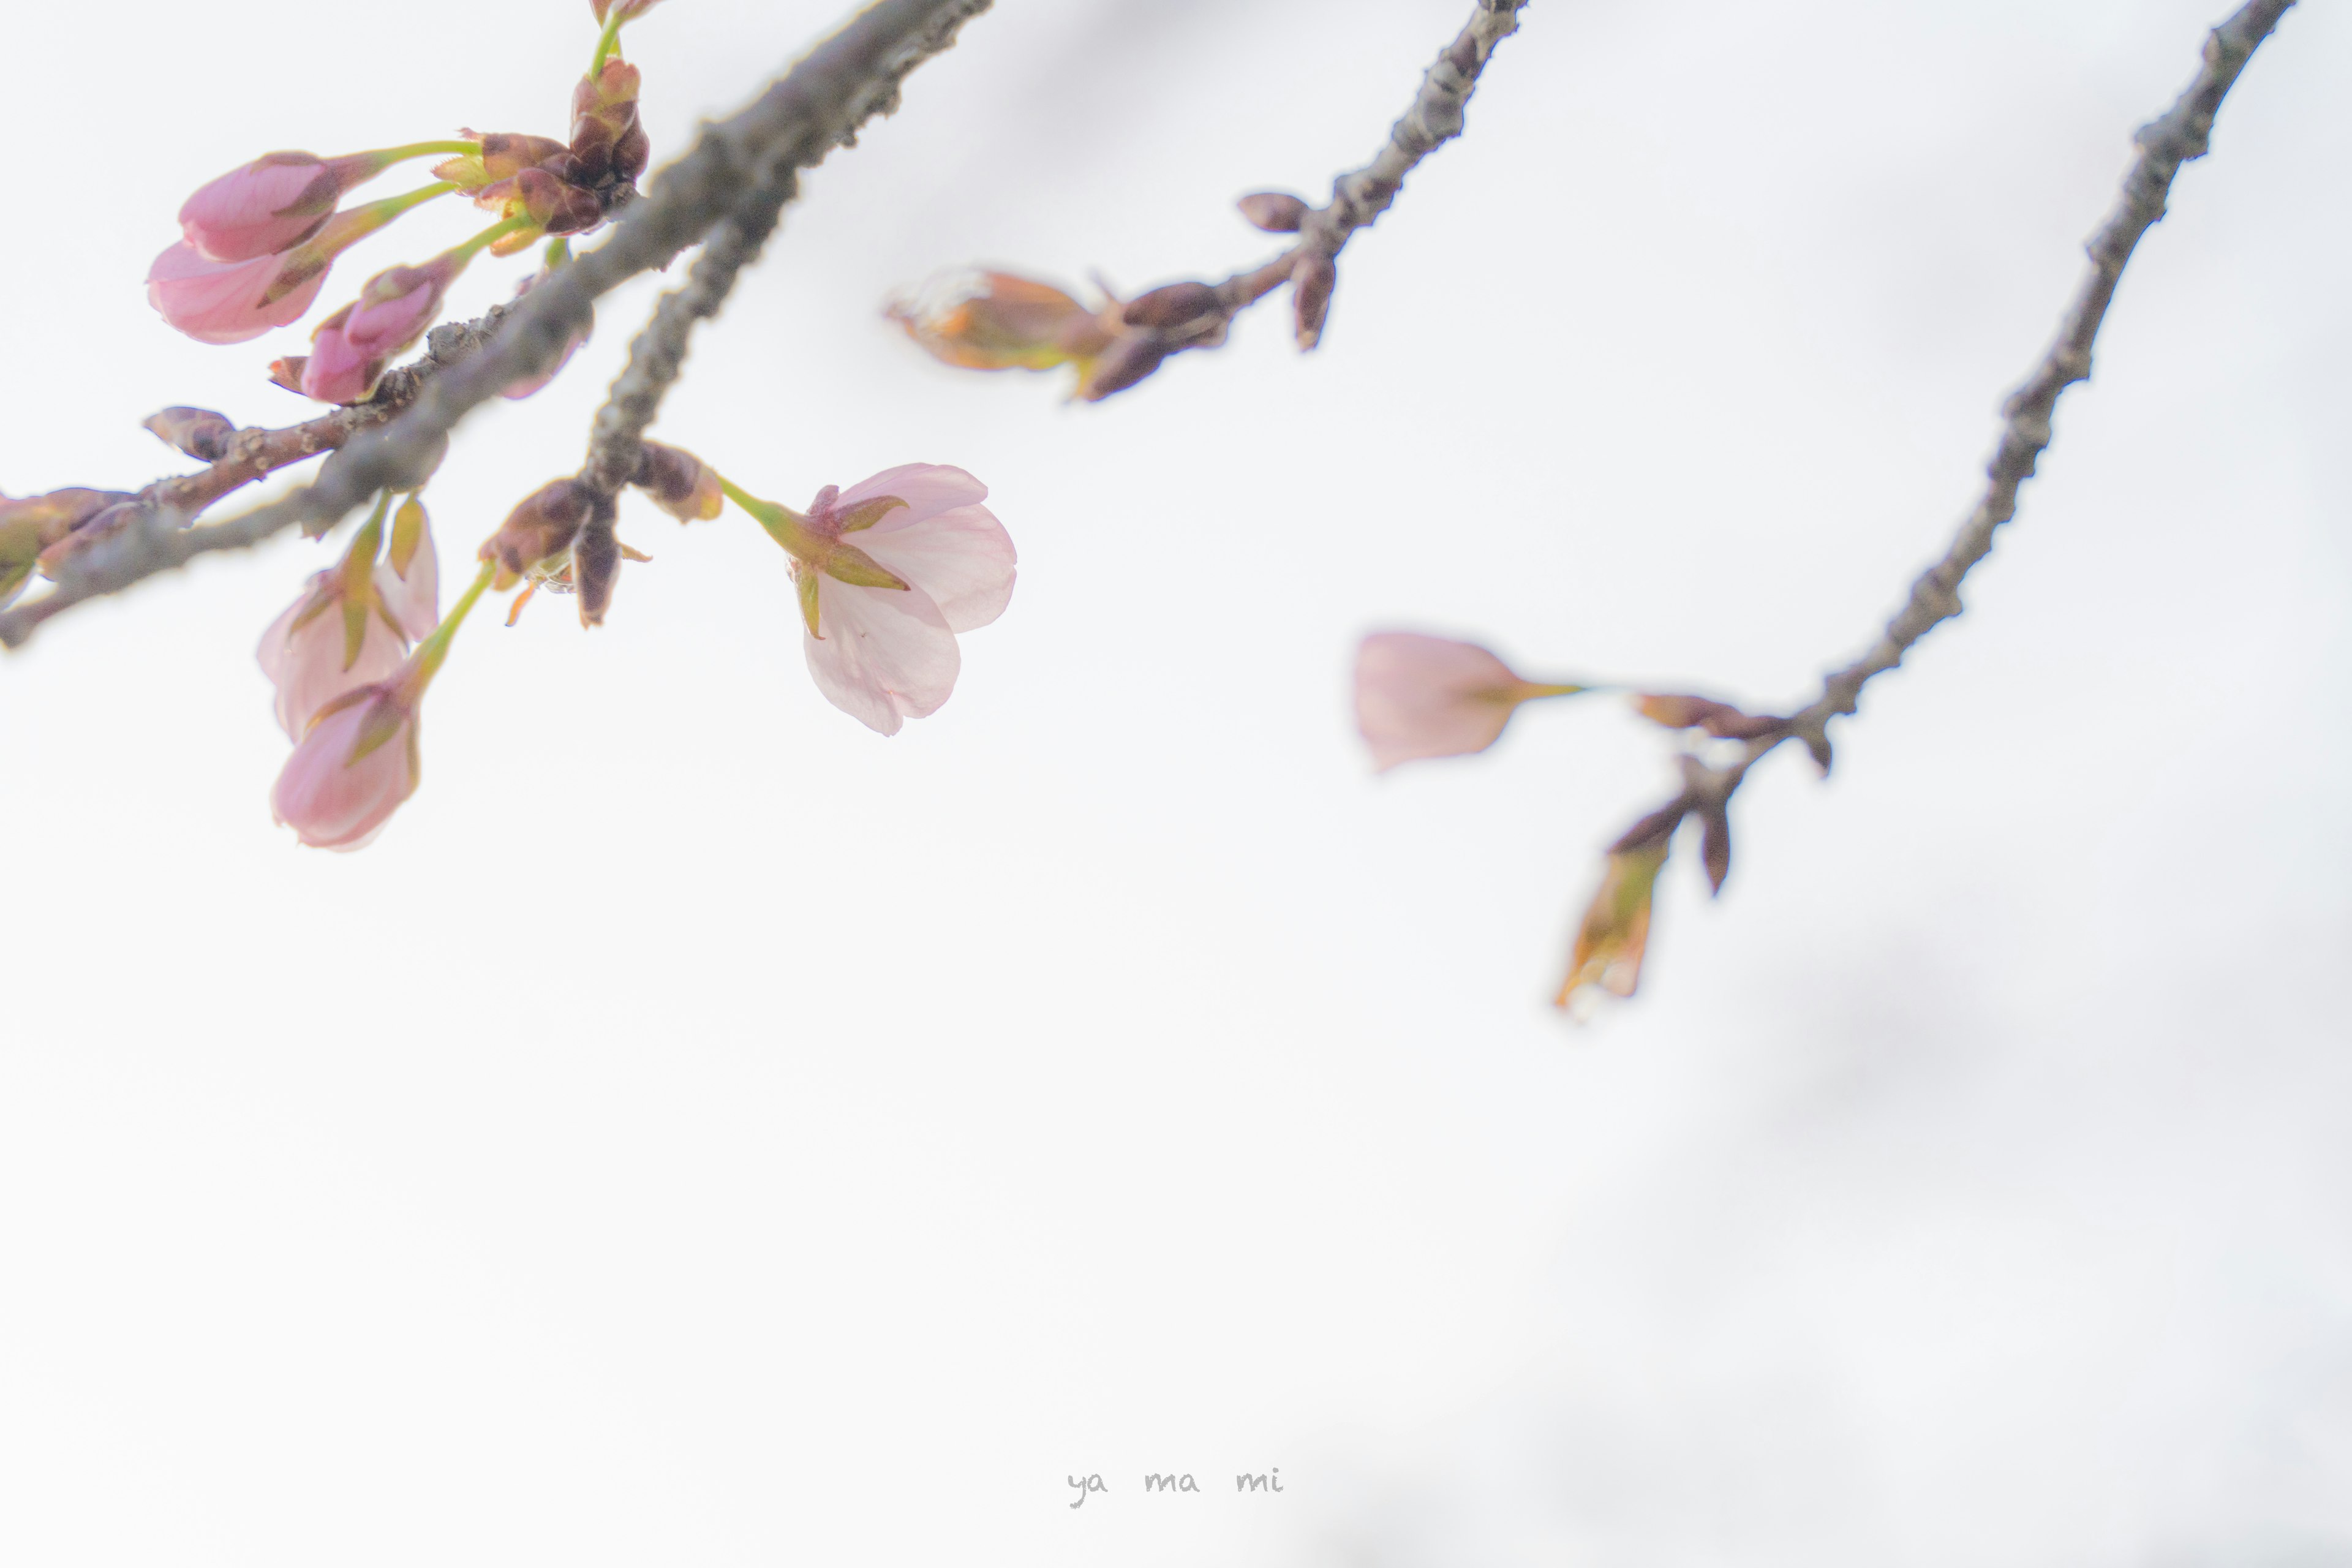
{"points": [[1000, 320], [541, 528], [271, 204], [1311, 282], [227, 302], [1277, 212], [351, 349], [679, 482], [605, 136], [1421, 696], [1178, 308], [1131, 356], [356, 762], [198, 432]]}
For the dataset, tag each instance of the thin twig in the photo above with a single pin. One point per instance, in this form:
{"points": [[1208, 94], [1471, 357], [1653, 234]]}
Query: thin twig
{"points": [[851, 74], [2181, 134], [658, 351]]}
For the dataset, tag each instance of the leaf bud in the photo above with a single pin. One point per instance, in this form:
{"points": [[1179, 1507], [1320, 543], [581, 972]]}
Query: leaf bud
{"points": [[1311, 282], [596, 559], [198, 432], [1277, 212], [1175, 308], [679, 482]]}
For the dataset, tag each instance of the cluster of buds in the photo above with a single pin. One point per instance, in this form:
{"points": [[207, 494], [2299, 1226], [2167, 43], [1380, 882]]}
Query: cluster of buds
{"points": [[885, 573], [257, 244], [1419, 696], [979, 320]]}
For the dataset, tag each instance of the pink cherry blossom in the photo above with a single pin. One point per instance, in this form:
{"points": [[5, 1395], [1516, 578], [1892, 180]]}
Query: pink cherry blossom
{"points": [[306, 654], [1431, 697], [350, 349], [886, 655], [353, 767], [221, 302], [271, 204]]}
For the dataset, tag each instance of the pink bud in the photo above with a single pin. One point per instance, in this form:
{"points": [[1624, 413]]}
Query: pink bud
{"points": [[353, 769], [225, 301], [273, 203], [1431, 697], [350, 350]]}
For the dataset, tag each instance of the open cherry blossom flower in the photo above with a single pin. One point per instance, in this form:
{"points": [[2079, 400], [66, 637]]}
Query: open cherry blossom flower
{"points": [[889, 572], [1431, 696]]}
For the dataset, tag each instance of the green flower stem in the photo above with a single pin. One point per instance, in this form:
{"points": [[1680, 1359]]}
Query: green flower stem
{"points": [[610, 38], [386, 157], [462, 254], [436, 648]]}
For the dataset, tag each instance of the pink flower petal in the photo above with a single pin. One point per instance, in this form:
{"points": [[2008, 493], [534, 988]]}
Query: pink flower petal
{"points": [[963, 558], [220, 301], [334, 802], [1431, 697], [236, 217], [414, 602], [306, 665], [928, 489], [886, 655]]}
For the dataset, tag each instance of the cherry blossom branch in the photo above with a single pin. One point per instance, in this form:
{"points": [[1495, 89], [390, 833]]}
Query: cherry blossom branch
{"points": [[1614, 931], [814, 106], [658, 351], [992, 320], [2183, 133]]}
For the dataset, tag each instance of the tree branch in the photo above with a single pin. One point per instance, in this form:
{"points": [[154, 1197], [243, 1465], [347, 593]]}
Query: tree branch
{"points": [[658, 350], [2181, 134], [815, 105]]}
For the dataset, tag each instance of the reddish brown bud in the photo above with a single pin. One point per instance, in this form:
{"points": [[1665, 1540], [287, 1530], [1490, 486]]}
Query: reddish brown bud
{"points": [[605, 136], [1131, 357], [596, 562], [542, 528], [1277, 212], [1176, 306], [1311, 282], [288, 372], [1721, 720], [198, 432], [1715, 843], [679, 482]]}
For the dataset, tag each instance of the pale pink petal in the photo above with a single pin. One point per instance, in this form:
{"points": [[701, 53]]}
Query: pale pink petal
{"points": [[238, 217], [334, 802], [886, 655], [1429, 697], [928, 489], [963, 558], [415, 600], [311, 672], [220, 301]]}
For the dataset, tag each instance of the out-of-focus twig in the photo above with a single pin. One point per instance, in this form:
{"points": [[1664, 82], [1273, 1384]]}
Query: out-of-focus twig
{"points": [[851, 74], [2182, 133]]}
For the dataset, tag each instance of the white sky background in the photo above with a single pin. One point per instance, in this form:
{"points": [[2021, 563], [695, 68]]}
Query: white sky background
{"points": [[702, 1131]]}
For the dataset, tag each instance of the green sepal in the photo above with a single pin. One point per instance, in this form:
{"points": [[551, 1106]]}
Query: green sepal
{"points": [[355, 620], [383, 721], [407, 533], [806, 578], [867, 513], [847, 563]]}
